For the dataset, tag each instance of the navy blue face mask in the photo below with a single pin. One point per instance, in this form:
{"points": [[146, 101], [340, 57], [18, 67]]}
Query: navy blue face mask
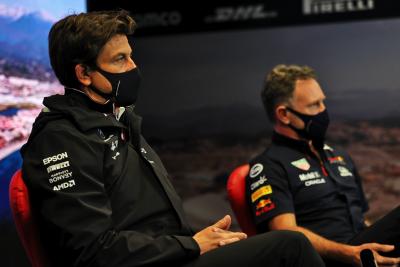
{"points": [[315, 126], [125, 86]]}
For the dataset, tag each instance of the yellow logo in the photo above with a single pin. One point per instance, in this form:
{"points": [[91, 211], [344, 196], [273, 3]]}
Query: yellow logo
{"points": [[262, 191]]}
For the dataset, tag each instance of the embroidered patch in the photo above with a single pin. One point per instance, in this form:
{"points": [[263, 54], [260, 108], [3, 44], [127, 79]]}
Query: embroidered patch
{"points": [[259, 182], [336, 160], [262, 191], [344, 172], [256, 170], [326, 147], [302, 164]]}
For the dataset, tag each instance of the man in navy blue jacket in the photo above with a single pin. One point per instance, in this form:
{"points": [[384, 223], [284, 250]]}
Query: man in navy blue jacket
{"points": [[302, 184]]}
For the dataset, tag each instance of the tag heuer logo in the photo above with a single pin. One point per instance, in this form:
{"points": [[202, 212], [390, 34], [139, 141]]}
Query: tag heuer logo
{"points": [[302, 164], [343, 171]]}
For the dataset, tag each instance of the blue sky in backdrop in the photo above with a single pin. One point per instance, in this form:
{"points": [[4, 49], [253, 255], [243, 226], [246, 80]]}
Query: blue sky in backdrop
{"points": [[54, 9]]}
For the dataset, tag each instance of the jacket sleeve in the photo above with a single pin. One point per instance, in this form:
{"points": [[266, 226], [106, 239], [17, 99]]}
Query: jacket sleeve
{"points": [[62, 169], [267, 192]]}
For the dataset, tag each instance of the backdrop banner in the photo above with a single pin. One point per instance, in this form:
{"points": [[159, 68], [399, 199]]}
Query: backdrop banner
{"points": [[171, 17]]}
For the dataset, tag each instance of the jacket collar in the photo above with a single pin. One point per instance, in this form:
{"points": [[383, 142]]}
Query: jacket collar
{"points": [[299, 145], [85, 113], [282, 140]]}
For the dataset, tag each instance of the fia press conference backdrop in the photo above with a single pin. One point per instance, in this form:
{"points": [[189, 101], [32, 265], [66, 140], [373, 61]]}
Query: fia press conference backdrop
{"points": [[200, 96]]}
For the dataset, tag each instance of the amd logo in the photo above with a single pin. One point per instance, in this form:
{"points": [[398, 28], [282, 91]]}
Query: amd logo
{"points": [[164, 19], [312, 7], [240, 13]]}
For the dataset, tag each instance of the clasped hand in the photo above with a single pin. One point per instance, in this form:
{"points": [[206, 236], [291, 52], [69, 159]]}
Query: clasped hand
{"points": [[217, 235]]}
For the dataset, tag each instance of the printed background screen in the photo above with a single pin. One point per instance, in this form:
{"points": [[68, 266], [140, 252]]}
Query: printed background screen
{"points": [[25, 78]]}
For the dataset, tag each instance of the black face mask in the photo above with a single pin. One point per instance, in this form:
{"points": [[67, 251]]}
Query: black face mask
{"points": [[125, 86], [315, 126]]}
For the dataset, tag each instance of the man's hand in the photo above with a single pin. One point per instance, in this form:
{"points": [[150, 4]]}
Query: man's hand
{"points": [[376, 248], [217, 235]]}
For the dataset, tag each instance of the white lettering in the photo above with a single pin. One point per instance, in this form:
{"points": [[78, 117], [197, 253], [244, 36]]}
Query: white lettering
{"points": [[309, 176], [256, 184], [344, 171], [65, 185], [336, 6], [59, 173], [240, 13], [55, 158], [316, 181], [57, 166], [60, 177], [158, 19]]}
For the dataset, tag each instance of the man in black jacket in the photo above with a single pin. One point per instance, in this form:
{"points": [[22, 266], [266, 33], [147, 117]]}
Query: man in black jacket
{"points": [[300, 183], [100, 194]]}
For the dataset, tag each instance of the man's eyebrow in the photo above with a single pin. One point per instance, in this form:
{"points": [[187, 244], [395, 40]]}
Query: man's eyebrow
{"points": [[121, 54], [123, 51], [317, 101]]}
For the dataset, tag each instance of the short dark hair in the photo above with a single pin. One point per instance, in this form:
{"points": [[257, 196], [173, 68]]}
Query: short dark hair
{"points": [[78, 39], [280, 84]]}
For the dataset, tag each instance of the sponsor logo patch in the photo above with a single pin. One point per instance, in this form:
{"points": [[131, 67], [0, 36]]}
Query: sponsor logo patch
{"points": [[265, 209], [58, 176], [263, 202], [302, 164], [262, 191], [315, 181], [309, 176], [256, 170], [58, 166], [116, 155], [114, 145], [319, 7], [259, 182], [55, 158], [68, 184], [344, 172], [326, 147], [335, 160]]}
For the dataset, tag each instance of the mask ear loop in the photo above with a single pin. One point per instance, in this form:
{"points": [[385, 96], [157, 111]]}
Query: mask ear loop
{"points": [[293, 112], [106, 96]]}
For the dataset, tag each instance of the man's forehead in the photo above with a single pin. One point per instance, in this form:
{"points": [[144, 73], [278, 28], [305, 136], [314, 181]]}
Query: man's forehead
{"points": [[116, 44], [308, 90]]}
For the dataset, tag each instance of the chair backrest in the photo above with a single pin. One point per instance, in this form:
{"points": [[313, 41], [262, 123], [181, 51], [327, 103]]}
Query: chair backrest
{"points": [[24, 221], [236, 187]]}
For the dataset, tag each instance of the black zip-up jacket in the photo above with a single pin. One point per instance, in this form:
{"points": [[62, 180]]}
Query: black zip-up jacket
{"points": [[100, 194]]}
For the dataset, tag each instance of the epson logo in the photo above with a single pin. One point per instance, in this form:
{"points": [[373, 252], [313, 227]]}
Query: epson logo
{"points": [[171, 18], [55, 158], [313, 7], [240, 13]]}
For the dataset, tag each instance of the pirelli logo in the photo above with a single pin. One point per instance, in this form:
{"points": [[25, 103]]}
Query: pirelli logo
{"points": [[58, 166], [262, 191], [316, 7]]}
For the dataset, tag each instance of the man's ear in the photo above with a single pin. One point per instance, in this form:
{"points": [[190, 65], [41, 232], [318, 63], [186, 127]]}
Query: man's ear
{"points": [[281, 114], [82, 75]]}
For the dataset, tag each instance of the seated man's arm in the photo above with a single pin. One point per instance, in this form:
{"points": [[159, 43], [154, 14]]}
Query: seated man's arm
{"points": [[271, 201], [328, 248], [76, 215]]}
